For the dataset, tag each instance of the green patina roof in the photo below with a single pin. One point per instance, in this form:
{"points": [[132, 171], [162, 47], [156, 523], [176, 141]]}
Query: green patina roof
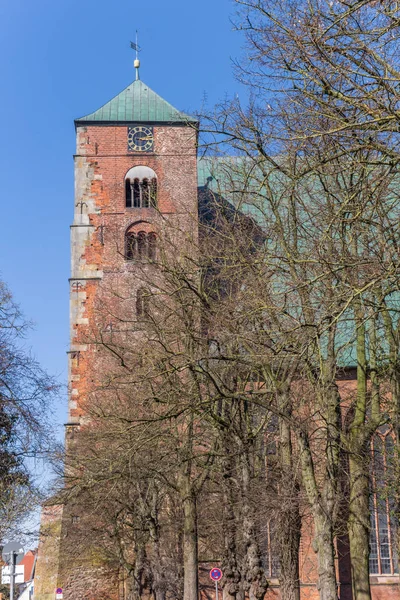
{"points": [[223, 175], [137, 103]]}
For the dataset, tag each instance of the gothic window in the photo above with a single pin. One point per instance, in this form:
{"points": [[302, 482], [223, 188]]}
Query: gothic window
{"points": [[140, 246], [141, 188], [142, 303], [383, 555]]}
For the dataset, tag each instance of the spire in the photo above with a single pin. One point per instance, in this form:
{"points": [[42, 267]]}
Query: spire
{"points": [[139, 104], [136, 62]]}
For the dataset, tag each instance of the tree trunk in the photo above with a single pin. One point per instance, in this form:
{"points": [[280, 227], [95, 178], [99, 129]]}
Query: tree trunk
{"points": [[358, 527], [359, 460], [159, 591], [324, 547], [392, 338], [253, 577], [157, 567], [323, 543], [289, 519], [230, 561], [190, 555], [137, 575]]}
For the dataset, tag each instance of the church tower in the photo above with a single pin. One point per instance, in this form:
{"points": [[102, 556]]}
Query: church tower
{"points": [[135, 171], [135, 174]]}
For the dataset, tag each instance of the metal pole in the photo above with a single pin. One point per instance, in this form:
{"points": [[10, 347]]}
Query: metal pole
{"points": [[216, 591], [12, 575]]}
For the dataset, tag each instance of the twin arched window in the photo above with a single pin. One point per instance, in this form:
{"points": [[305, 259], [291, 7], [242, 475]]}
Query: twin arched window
{"points": [[140, 245], [141, 188]]}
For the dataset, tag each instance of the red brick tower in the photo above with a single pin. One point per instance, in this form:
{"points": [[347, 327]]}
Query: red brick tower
{"points": [[135, 173]]}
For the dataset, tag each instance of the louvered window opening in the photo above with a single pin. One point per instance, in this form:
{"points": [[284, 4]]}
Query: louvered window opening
{"points": [[141, 193], [141, 246]]}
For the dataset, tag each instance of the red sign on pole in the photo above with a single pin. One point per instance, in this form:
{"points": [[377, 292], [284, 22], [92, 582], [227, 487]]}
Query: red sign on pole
{"points": [[216, 574]]}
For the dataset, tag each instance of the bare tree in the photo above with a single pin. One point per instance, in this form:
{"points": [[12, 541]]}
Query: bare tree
{"points": [[322, 123], [26, 392]]}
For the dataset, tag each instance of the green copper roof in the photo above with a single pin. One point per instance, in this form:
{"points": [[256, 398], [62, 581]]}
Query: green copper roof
{"points": [[137, 103]]}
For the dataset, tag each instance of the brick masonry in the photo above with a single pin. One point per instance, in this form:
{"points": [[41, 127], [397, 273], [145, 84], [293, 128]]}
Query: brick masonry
{"points": [[98, 268]]}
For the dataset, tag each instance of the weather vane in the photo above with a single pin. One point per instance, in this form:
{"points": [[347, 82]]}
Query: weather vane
{"points": [[137, 48]]}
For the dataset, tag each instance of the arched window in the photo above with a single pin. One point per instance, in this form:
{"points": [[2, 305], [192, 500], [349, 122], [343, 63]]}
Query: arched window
{"points": [[140, 246], [142, 303], [141, 188]]}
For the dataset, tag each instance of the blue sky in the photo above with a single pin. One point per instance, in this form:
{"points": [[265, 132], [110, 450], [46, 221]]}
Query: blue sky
{"points": [[60, 60]]}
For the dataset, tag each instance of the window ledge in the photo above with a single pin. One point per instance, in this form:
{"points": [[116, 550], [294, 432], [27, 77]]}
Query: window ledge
{"points": [[140, 208], [384, 579]]}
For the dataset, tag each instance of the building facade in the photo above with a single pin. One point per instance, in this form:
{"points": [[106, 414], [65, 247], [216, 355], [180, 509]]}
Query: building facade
{"points": [[137, 173]]}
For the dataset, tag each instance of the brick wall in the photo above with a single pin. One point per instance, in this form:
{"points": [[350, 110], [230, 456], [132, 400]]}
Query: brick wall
{"points": [[99, 271]]}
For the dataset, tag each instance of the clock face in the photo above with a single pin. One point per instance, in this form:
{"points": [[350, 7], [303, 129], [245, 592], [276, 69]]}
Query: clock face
{"points": [[140, 139]]}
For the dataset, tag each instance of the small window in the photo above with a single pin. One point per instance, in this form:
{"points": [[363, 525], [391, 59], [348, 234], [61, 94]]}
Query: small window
{"points": [[142, 303]]}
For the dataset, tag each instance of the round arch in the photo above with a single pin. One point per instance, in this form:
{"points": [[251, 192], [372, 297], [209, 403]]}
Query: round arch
{"points": [[140, 188], [140, 172], [140, 242]]}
